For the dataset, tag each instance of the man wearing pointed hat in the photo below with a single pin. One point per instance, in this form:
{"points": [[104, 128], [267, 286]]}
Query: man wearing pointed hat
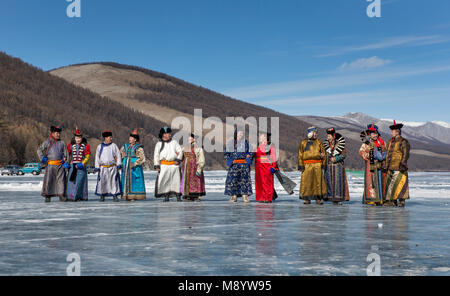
{"points": [[167, 159], [312, 162], [133, 158], [373, 152], [52, 154], [335, 177], [79, 156], [108, 162], [396, 166]]}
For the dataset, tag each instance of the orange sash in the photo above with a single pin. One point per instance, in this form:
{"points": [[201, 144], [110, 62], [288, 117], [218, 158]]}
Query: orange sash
{"points": [[109, 166], [55, 162], [239, 161], [312, 161], [165, 162]]}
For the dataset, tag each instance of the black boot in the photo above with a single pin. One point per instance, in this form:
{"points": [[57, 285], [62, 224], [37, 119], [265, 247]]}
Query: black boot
{"points": [[48, 199], [178, 198], [116, 199], [166, 198], [62, 199], [102, 198]]}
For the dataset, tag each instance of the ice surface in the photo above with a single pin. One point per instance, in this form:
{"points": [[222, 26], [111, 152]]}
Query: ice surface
{"points": [[214, 237]]}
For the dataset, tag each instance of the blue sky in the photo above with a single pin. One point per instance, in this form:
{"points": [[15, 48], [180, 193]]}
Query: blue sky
{"points": [[301, 57]]}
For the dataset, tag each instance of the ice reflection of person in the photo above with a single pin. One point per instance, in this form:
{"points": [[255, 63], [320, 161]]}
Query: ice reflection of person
{"points": [[390, 233], [266, 234], [191, 217], [325, 238], [314, 243]]}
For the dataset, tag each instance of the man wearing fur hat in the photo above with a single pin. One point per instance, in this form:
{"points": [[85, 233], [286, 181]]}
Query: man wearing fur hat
{"points": [[396, 166], [167, 159], [312, 162], [132, 172], [335, 177], [52, 154], [79, 155], [108, 162]]}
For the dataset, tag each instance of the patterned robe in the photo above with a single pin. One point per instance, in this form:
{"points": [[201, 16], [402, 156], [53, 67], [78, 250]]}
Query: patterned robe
{"points": [[193, 185], [312, 158], [373, 175], [133, 183], [167, 157], [335, 177], [238, 180], [107, 158], [54, 175], [77, 183], [264, 184], [396, 164]]}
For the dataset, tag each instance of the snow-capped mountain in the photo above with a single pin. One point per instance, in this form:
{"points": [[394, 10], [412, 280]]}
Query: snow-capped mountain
{"points": [[434, 132]]}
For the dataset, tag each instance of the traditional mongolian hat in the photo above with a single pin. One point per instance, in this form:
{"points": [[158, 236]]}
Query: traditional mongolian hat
{"points": [[164, 130], [77, 133], [372, 128], [331, 131], [55, 129], [135, 135], [312, 129], [106, 134], [396, 126]]}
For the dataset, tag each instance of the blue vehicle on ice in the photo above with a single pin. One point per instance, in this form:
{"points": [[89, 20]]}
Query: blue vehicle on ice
{"points": [[31, 168]]}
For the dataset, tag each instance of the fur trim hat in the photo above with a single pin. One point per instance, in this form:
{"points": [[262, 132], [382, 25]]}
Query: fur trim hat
{"points": [[106, 134]]}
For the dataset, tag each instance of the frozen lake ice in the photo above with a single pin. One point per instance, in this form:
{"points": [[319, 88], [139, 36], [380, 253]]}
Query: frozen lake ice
{"points": [[214, 237]]}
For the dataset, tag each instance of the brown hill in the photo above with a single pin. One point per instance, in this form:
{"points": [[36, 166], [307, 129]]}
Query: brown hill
{"points": [[32, 100]]}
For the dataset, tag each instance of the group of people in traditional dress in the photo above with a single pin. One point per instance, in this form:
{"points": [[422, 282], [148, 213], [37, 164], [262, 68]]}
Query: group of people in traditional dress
{"points": [[386, 170], [386, 167], [180, 170], [322, 166], [120, 171], [171, 181]]}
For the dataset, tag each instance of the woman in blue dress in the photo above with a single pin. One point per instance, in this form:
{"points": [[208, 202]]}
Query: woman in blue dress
{"points": [[239, 159], [133, 158]]}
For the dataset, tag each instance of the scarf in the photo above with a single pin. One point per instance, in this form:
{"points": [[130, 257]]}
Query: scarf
{"points": [[379, 142]]}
